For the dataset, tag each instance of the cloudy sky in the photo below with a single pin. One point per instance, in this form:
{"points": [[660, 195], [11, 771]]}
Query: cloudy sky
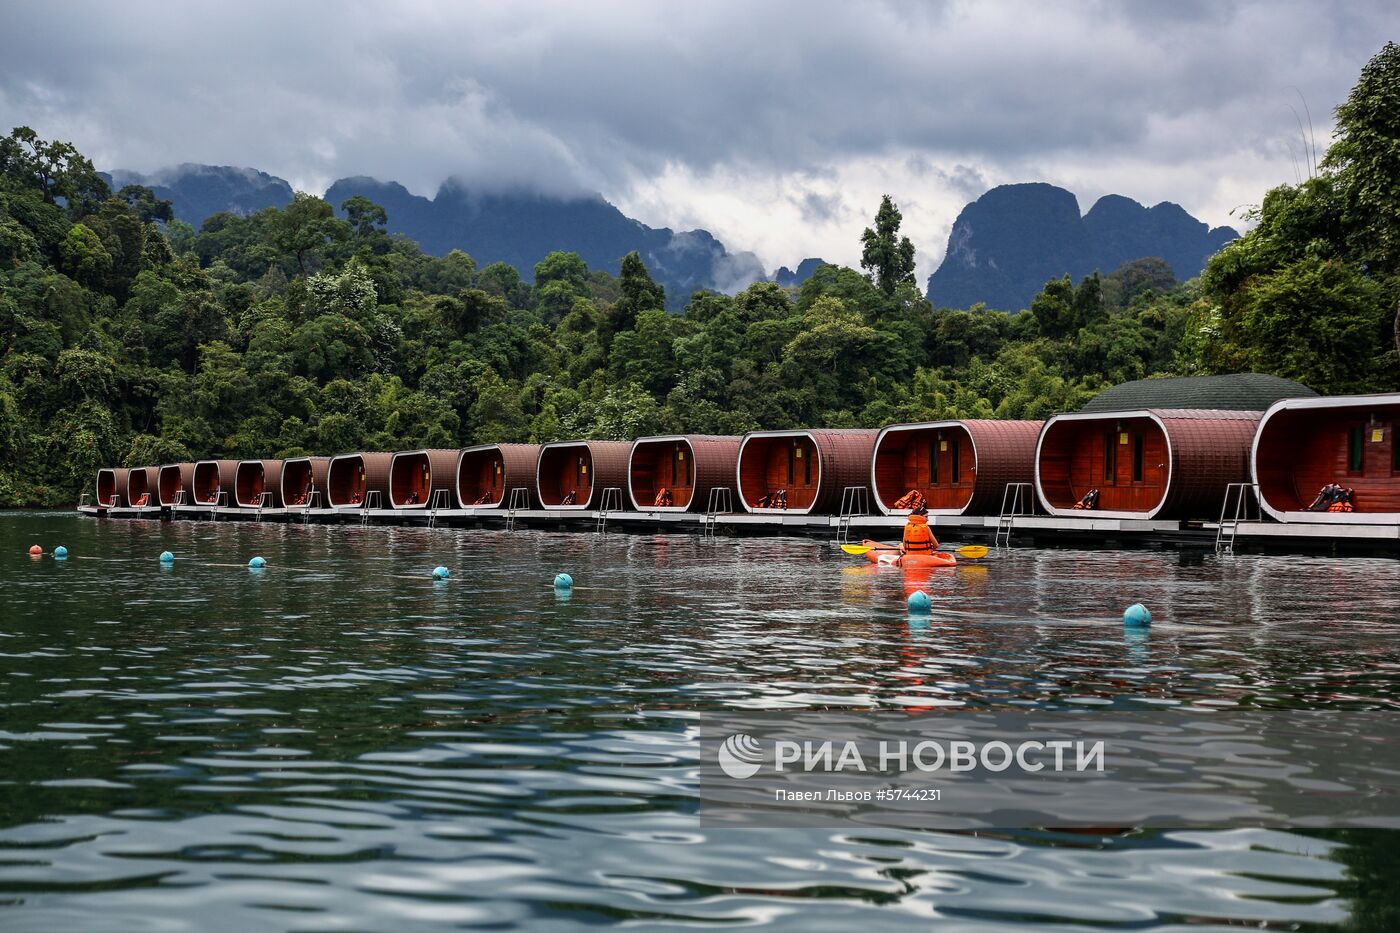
{"points": [[775, 125]]}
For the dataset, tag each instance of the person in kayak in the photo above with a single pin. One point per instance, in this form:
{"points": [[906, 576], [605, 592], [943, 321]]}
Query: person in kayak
{"points": [[918, 536]]}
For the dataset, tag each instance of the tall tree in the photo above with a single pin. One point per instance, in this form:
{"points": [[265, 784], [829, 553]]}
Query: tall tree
{"points": [[888, 257]]}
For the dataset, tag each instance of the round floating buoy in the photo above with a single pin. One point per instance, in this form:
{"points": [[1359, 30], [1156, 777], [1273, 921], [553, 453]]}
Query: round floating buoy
{"points": [[1137, 614], [920, 602], [441, 573], [166, 557], [257, 563], [60, 553], [35, 550], [563, 581]]}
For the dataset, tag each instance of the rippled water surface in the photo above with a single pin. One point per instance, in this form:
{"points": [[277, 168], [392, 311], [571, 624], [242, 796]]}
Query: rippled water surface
{"points": [[339, 742]]}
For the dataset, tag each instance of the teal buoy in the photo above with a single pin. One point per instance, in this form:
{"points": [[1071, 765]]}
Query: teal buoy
{"points": [[919, 602], [60, 552], [166, 557], [257, 563], [1137, 614], [441, 573], [562, 581]]}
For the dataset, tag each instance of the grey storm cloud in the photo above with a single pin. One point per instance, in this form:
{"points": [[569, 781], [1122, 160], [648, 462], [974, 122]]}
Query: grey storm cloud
{"points": [[570, 97]]}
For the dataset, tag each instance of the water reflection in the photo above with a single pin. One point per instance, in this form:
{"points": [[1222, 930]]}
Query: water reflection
{"points": [[341, 741]]}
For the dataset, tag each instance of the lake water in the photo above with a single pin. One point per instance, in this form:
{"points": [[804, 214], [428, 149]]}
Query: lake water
{"points": [[339, 742]]}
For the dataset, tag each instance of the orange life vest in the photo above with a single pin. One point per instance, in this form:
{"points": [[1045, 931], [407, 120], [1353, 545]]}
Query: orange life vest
{"points": [[918, 537]]}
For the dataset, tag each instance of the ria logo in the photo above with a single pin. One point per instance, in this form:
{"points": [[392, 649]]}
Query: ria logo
{"points": [[740, 756]]}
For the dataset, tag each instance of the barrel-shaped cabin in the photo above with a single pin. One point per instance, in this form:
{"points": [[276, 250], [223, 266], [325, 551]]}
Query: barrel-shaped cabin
{"points": [[142, 488], [488, 473], [804, 472], [214, 482], [958, 467], [111, 487], [1145, 464], [676, 473], [176, 484], [1305, 444], [577, 474], [358, 481], [258, 484], [422, 478], [303, 482]]}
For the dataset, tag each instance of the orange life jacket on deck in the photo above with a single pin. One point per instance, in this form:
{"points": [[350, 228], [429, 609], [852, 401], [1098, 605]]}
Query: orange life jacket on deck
{"points": [[913, 499], [918, 537]]}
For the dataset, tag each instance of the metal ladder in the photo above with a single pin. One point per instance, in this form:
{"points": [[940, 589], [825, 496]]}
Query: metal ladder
{"points": [[313, 501], [440, 499], [372, 501], [1230, 521], [264, 501], [719, 503], [83, 501], [519, 499], [1016, 500], [220, 500], [855, 500], [612, 502]]}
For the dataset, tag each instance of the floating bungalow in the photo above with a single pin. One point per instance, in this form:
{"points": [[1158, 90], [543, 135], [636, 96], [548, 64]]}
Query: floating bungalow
{"points": [[959, 467], [214, 482], [111, 487], [487, 473], [303, 482], [803, 472], [142, 488], [358, 481], [176, 485], [577, 474], [1155, 448], [419, 479], [1304, 444], [686, 466], [256, 479]]}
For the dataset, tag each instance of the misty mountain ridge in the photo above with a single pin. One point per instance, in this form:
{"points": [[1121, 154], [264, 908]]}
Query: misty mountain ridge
{"points": [[1008, 243], [1002, 250]]}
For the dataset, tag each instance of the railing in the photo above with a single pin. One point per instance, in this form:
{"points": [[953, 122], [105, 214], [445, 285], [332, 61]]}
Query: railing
{"points": [[220, 501], [264, 501], [719, 503], [1239, 495], [313, 501], [612, 502], [83, 500], [1017, 499]]}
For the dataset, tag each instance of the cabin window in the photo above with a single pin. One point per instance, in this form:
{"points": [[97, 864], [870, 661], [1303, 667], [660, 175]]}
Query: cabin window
{"points": [[579, 471], [1394, 452], [1357, 449], [957, 461], [675, 467], [1110, 459], [1137, 458], [933, 463], [792, 464]]}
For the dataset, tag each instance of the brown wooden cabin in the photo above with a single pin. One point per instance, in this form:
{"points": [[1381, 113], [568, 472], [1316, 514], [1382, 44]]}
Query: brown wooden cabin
{"points": [[960, 467], [586, 468], [1305, 443], [214, 482], [688, 465], [303, 482], [352, 479], [176, 485], [255, 477], [487, 473], [815, 468], [142, 488], [111, 487], [1151, 463], [420, 478]]}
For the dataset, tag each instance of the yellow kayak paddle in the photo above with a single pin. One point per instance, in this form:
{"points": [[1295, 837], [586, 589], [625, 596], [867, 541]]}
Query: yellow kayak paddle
{"points": [[972, 551]]}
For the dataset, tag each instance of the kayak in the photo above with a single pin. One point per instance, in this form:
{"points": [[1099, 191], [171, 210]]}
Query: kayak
{"points": [[889, 556]]}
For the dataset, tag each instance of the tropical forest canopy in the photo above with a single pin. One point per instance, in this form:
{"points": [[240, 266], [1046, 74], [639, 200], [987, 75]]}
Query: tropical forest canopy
{"points": [[129, 338]]}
